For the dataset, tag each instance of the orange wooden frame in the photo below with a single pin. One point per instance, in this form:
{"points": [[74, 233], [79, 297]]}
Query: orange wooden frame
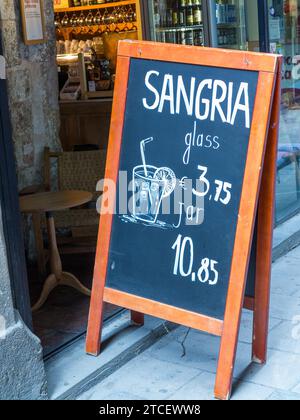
{"points": [[268, 67]]}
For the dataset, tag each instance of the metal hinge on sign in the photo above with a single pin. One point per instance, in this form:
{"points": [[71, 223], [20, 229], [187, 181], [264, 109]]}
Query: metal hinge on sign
{"points": [[2, 68]]}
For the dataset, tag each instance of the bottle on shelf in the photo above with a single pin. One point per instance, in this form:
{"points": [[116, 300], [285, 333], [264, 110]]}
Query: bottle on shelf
{"points": [[220, 37], [189, 13], [157, 19], [182, 13], [175, 13], [198, 38], [189, 37], [231, 13], [197, 12], [169, 14], [221, 11], [90, 75], [225, 12]]}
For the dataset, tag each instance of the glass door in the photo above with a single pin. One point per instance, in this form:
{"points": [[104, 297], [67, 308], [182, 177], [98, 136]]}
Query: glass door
{"points": [[176, 21], [231, 24], [284, 35]]}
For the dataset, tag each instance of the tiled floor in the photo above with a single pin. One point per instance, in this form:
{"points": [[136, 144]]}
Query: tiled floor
{"points": [[64, 316]]}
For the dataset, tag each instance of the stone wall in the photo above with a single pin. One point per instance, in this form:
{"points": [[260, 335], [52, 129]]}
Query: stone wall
{"points": [[22, 374], [33, 91]]}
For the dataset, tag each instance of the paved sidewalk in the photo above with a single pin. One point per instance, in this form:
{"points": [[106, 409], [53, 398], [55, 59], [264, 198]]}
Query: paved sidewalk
{"points": [[164, 372]]}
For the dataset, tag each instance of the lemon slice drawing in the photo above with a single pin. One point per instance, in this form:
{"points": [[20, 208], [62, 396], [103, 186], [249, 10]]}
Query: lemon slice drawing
{"points": [[168, 177]]}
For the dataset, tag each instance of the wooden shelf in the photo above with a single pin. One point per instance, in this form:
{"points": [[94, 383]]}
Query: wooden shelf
{"points": [[228, 25], [66, 32], [100, 94], [179, 28], [96, 6]]}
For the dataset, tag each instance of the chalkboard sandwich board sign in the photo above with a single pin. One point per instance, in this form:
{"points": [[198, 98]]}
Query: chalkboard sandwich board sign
{"points": [[194, 134]]}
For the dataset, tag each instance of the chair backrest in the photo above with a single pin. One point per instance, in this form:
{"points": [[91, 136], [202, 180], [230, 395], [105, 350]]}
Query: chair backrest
{"points": [[78, 170]]}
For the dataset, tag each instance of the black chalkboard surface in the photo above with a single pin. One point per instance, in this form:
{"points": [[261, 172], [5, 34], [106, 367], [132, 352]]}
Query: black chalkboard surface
{"points": [[183, 259]]}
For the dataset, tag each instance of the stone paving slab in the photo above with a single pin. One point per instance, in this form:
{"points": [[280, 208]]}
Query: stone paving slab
{"points": [[110, 395], [286, 337], [284, 396], [156, 380], [202, 385], [297, 388], [246, 330], [285, 307], [283, 286], [201, 351], [282, 371]]}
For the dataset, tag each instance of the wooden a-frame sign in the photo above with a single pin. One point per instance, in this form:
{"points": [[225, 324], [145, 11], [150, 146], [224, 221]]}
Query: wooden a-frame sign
{"points": [[256, 205]]}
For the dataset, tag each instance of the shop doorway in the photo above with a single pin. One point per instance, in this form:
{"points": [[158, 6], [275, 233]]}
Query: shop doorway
{"points": [[86, 47], [85, 120], [10, 212]]}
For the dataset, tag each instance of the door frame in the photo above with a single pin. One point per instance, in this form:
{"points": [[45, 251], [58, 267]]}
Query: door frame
{"points": [[263, 25], [11, 215]]}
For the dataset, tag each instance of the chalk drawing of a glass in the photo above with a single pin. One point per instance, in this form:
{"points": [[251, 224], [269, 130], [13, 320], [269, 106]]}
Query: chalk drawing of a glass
{"points": [[151, 185]]}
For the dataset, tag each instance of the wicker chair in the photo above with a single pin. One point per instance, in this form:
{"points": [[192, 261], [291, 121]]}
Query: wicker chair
{"points": [[76, 171]]}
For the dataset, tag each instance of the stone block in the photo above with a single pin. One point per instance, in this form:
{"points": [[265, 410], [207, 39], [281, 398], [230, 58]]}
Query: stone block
{"points": [[19, 85], [22, 375]]}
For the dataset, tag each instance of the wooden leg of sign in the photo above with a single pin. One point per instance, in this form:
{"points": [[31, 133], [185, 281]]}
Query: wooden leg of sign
{"points": [[263, 267], [137, 318], [95, 325], [228, 347], [265, 238], [93, 341]]}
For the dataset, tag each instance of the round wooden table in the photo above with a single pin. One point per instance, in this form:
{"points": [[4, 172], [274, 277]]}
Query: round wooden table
{"points": [[47, 203]]}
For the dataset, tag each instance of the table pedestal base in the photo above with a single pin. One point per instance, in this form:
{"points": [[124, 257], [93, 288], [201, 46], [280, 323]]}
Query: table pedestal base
{"points": [[58, 276], [67, 279]]}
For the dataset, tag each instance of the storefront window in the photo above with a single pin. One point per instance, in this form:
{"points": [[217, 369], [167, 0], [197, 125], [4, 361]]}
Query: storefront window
{"points": [[284, 32], [177, 21], [231, 24]]}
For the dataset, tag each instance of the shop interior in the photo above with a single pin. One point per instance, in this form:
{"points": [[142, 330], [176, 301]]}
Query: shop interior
{"points": [[87, 34]]}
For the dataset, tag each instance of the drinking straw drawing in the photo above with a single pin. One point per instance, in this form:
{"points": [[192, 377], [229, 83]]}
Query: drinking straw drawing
{"points": [[143, 149]]}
